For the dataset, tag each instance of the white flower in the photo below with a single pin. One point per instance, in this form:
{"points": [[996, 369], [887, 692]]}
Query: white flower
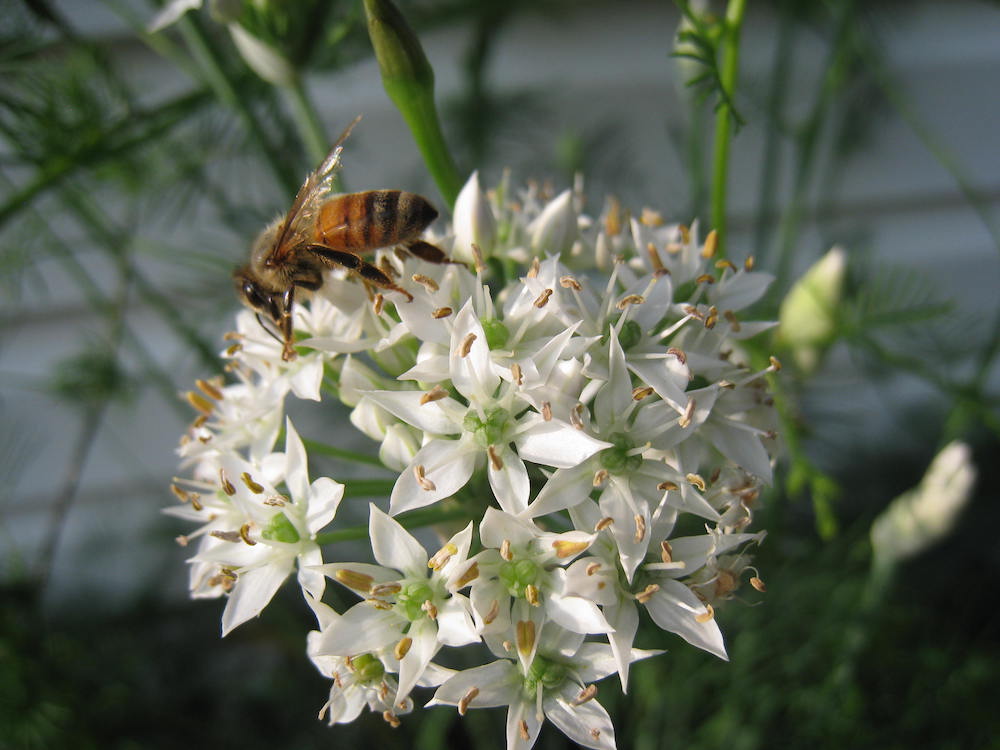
{"points": [[253, 536], [556, 683], [411, 605], [474, 222]]}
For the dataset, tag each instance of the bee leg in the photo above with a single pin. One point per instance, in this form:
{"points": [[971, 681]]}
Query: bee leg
{"points": [[430, 253], [285, 324], [368, 272]]}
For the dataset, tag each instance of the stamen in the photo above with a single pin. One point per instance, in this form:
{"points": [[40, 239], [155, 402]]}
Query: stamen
{"points": [[466, 346], [385, 589], [199, 402], [208, 389], [707, 615], [749, 263], [630, 299], [276, 501], [568, 282], [613, 218], [600, 477], [403, 647], [641, 392], [225, 578], [531, 594], [593, 568], [668, 486], [430, 609], [495, 461], [734, 324], [726, 263], [654, 258], [684, 421], [434, 394], [575, 418], [425, 483], [227, 536], [712, 318], [640, 528], [471, 573], [543, 299], [711, 244], [245, 535], [651, 218], [391, 719], [775, 364], [505, 552], [477, 258], [182, 540], [354, 580], [681, 356], [516, 374], [696, 480], [588, 693], [442, 556], [666, 552], [442, 312], [227, 486], [758, 584], [491, 613], [647, 593], [603, 523], [463, 705], [536, 266], [255, 488], [525, 636], [596, 734], [546, 411], [426, 282], [378, 303], [565, 548], [522, 730], [705, 278]]}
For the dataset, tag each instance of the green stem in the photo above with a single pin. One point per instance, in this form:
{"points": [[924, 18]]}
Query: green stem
{"points": [[413, 520], [216, 77], [330, 450], [307, 119], [730, 46], [368, 487]]}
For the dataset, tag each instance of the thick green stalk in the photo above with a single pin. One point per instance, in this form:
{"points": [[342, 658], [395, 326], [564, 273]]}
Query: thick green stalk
{"points": [[409, 82], [730, 46]]}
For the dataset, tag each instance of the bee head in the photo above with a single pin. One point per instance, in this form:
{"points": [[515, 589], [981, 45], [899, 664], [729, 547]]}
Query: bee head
{"points": [[253, 295]]}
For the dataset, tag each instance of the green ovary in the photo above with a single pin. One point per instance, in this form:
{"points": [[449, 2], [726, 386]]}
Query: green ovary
{"points": [[488, 431], [616, 459], [543, 673], [367, 669], [496, 333], [517, 574], [411, 599], [280, 529]]}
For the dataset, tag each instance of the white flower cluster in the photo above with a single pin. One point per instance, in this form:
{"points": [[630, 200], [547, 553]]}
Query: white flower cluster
{"points": [[573, 388]]}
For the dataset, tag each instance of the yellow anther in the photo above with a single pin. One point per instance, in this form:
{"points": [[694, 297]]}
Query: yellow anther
{"points": [[711, 244], [403, 647], [354, 580], [255, 488], [466, 346], [434, 394], [442, 312], [565, 548], [426, 282]]}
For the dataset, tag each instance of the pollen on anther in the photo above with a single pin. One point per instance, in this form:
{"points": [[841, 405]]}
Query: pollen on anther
{"points": [[536, 266], [434, 394], [684, 421], [603, 523], [647, 593], [712, 318], [568, 282], [565, 548], [227, 486], [463, 705], [587, 694], [525, 636], [255, 488], [696, 480], [516, 374], [425, 483], [543, 299], [666, 552], [711, 244], [426, 282], [667, 486], [575, 416], [430, 609], [681, 356], [758, 584], [442, 312], [600, 477], [471, 573], [391, 719], [640, 528], [707, 615], [630, 299], [245, 535], [442, 556], [199, 402], [466, 346], [492, 613], [522, 730], [641, 392], [775, 364], [209, 389], [505, 551], [531, 595], [495, 460], [546, 411], [593, 568], [354, 580], [378, 303], [402, 647]]}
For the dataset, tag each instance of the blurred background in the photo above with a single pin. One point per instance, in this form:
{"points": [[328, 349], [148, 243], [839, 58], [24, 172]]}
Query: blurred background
{"points": [[136, 167]]}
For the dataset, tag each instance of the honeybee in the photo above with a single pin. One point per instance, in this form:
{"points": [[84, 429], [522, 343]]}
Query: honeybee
{"points": [[323, 231]]}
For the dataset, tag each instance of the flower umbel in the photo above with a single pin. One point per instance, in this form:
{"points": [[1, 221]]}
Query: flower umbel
{"points": [[552, 405]]}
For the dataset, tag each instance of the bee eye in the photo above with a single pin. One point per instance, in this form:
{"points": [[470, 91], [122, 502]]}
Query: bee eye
{"points": [[252, 295]]}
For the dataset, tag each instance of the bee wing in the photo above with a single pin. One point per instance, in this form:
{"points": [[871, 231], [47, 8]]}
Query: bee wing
{"points": [[297, 226]]}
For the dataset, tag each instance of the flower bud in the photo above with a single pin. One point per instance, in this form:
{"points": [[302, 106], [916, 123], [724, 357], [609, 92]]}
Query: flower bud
{"points": [[372, 419], [808, 315], [917, 519], [474, 222], [555, 229], [399, 446], [261, 58]]}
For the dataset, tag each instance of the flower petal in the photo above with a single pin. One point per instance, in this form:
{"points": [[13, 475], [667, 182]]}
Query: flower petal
{"points": [[393, 546], [446, 466]]}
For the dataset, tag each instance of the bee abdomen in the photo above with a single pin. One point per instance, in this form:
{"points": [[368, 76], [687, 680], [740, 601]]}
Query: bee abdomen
{"points": [[376, 218]]}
